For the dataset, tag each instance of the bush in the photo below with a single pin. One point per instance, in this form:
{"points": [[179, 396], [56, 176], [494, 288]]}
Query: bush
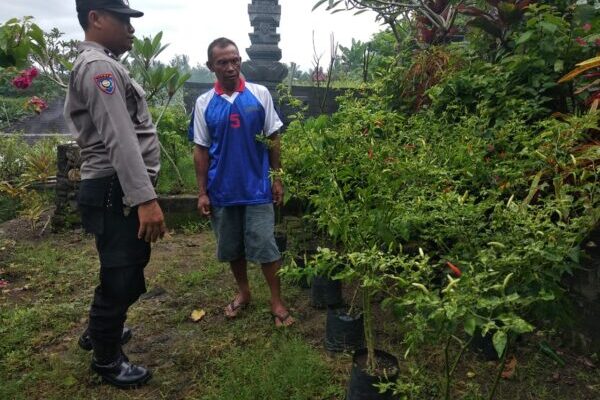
{"points": [[22, 167], [400, 197], [172, 133], [12, 162]]}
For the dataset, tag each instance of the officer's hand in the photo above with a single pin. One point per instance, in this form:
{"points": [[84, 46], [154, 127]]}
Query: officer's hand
{"points": [[204, 205], [152, 222], [277, 190]]}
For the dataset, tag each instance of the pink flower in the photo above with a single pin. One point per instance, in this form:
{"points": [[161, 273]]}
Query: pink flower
{"points": [[31, 72], [21, 82], [597, 42], [36, 104], [25, 78], [587, 26], [581, 41]]}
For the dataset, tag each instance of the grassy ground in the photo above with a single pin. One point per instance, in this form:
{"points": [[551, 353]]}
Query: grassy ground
{"points": [[43, 310]]}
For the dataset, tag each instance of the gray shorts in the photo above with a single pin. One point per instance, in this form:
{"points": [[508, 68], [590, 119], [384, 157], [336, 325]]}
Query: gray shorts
{"points": [[245, 232]]}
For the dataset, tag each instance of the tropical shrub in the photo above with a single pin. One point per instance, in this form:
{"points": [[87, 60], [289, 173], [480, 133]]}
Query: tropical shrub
{"points": [[172, 133], [504, 196], [22, 168]]}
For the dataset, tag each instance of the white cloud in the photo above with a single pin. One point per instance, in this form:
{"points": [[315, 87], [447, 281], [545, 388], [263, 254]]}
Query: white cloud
{"points": [[190, 25]]}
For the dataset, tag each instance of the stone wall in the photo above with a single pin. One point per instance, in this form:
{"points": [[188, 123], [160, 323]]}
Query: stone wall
{"points": [[66, 215], [311, 96]]}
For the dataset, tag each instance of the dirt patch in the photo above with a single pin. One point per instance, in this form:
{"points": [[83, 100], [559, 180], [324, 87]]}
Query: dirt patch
{"points": [[19, 229]]}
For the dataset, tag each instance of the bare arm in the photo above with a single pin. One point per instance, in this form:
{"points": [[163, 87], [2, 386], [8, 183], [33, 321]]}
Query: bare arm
{"points": [[201, 162]]}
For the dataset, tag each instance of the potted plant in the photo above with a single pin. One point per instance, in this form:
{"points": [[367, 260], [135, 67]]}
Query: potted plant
{"points": [[344, 329], [372, 269], [326, 290]]}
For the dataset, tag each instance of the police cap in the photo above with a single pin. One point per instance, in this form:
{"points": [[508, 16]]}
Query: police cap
{"points": [[115, 6]]}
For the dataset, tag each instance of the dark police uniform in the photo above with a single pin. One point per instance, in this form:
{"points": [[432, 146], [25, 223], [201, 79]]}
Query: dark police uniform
{"points": [[108, 115]]}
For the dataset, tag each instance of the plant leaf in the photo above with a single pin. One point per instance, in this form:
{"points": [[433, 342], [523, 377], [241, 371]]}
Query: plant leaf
{"points": [[581, 67], [500, 341], [470, 325], [524, 37], [197, 315], [318, 4], [509, 368]]}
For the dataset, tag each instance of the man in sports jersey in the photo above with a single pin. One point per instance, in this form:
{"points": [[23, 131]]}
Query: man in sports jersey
{"points": [[233, 164]]}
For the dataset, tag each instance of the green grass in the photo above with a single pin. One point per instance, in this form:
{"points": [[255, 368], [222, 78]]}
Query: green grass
{"points": [[215, 359], [276, 367], [39, 357], [46, 305]]}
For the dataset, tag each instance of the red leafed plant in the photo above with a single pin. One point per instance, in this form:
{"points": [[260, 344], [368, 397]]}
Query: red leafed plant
{"points": [[435, 23], [592, 69], [36, 104], [499, 18], [434, 18]]}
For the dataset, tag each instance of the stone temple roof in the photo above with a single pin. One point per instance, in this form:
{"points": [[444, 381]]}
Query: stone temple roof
{"points": [[49, 123]]}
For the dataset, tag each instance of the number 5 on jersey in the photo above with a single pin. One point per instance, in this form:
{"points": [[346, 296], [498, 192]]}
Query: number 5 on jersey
{"points": [[234, 121]]}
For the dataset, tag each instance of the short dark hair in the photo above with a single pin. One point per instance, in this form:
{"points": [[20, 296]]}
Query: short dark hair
{"points": [[82, 16], [220, 42]]}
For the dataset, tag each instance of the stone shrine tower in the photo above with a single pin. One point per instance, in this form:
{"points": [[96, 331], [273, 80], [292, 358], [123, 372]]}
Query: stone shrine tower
{"points": [[264, 66]]}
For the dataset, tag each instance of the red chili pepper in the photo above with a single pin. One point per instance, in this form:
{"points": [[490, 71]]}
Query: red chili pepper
{"points": [[455, 270]]}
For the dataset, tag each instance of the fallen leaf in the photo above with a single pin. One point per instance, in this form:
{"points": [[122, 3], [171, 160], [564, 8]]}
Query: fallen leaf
{"points": [[197, 315], [70, 381], [471, 375], [587, 362], [509, 368]]}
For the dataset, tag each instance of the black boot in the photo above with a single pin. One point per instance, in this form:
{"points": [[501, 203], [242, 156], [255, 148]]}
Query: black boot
{"points": [[86, 344], [119, 372]]}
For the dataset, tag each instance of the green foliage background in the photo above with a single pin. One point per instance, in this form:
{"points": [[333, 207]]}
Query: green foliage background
{"points": [[468, 153]]}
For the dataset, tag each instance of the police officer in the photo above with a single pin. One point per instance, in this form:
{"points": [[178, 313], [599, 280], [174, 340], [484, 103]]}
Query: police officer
{"points": [[107, 113]]}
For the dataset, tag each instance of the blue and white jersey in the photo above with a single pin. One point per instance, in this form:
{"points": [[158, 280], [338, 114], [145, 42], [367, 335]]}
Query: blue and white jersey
{"points": [[230, 127]]}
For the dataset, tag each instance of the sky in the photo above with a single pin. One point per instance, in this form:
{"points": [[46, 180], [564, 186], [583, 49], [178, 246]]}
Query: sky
{"points": [[190, 25]]}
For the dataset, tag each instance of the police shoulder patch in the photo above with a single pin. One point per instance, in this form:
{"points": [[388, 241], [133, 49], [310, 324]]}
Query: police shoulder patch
{"points": [[105, 82]]}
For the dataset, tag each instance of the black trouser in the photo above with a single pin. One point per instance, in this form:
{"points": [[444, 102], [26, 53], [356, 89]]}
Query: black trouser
{"points": [[122, 260]]}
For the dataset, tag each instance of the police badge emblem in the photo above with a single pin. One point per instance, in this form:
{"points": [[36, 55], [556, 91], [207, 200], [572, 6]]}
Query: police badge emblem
{"points": [[105, 83]]}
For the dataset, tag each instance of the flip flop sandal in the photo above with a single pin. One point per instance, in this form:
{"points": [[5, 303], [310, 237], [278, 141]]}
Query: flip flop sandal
{"points": [[282, 318], [233, 309]]}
